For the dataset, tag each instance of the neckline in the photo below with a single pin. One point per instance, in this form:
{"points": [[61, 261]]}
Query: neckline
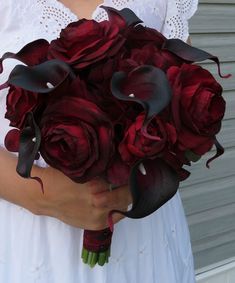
{"points": [[72, 14]]}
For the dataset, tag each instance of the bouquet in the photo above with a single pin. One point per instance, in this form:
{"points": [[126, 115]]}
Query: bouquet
{"points": [[115, 100]]}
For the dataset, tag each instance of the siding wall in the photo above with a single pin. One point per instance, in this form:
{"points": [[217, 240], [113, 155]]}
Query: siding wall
{"points": [[209, 194]]}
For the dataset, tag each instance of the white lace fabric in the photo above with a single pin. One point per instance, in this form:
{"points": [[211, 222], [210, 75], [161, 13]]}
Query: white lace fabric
{"points": [[53, 15], [178, 14]]}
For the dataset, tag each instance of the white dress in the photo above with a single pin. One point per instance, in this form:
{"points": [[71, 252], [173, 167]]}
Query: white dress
{"points": [[38, 249]]}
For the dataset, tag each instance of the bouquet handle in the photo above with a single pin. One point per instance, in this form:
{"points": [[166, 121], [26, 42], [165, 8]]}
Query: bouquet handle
{"points": [[96, 247]]}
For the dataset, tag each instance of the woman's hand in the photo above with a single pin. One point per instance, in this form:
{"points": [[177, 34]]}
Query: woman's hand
{"points": [[81, 205]]}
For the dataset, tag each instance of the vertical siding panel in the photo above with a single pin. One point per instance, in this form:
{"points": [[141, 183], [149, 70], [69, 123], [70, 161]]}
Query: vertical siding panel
{"points": [[209, 196]]}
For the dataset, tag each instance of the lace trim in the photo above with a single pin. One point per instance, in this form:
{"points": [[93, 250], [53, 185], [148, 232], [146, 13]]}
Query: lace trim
{"points": [[53, 15], [178, 14]]}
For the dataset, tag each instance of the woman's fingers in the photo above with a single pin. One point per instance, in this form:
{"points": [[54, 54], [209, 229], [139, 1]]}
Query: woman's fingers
{"points": [[97, 185], [116, 199], [116, 217]]}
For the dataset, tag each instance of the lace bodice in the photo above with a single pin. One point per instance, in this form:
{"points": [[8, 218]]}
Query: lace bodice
{"points": [[48, 16]]}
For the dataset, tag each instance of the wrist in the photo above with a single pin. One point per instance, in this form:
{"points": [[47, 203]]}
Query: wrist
{"points": [[44, 203]]}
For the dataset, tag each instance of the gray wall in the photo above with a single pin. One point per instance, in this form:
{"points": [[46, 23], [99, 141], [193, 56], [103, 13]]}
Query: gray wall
{"points": [[209, 194]]}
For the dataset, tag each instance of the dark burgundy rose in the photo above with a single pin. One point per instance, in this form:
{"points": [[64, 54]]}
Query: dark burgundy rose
{"points": [[19, 102], [151, 55], [98, 84], [118, 172], [138, 145], [177, 161], [127, 65], [85, 42], [76, 88], [197, 107], [103, 71], [139, 36], [76, 138]]}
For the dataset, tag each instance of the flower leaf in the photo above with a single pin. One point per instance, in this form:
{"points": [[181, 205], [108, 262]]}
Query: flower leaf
{"points": [[190, 53]]}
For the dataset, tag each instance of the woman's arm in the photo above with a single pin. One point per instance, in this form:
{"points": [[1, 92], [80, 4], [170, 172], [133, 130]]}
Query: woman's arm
{"points": [[81, 205]]}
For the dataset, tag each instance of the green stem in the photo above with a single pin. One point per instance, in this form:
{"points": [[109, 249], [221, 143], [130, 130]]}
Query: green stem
{"points": [[85, 254], [93, 258]]}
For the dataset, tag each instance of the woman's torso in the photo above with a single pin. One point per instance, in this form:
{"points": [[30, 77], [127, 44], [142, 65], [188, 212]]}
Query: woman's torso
{"points": [[155, 249]]}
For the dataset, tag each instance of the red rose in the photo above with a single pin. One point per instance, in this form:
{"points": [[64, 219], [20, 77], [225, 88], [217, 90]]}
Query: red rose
{"points": [[19, 102], [139, 36], [197, 107], [118, 173], [151, 55], [103, 72], [76, 138], [138, 145], [98, 83], [85, 42], [177, 161]]}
